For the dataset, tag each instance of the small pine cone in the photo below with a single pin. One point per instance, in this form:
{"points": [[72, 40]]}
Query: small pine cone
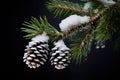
{"points": [[36, 52], [60, 55]]}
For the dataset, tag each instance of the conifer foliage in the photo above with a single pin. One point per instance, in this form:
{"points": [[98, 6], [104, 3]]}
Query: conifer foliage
{"points": [[83, 23]]}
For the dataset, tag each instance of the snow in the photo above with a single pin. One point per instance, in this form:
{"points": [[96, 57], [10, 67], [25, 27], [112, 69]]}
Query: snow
{"points": [[45, 56], [59, 57], [84, 19], [38, 65], [27, 62], [24, 60], [33, 48], [95, 10], [61, 45], [103, 46], [108, 2], [39, 47], [36, 51], [61, 62], [64, 60], [97, 47], [87, 6], [37, 60], [62, 54], [29, 58], [59, 66], [33, 63], [39, 38], [72, 21], [31, 44], [39, 55], [43, 59], [32, 55], [42, 37], [56, 59], [41, 62]]}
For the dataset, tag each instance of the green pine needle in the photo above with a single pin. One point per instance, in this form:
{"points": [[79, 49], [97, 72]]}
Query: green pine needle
{"points": [[81, 45], [97, 4], [65, 8], [37, 26], [108, 24]]}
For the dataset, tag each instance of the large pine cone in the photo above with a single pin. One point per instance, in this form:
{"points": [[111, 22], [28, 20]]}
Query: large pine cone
{"points": [[36, 54]]}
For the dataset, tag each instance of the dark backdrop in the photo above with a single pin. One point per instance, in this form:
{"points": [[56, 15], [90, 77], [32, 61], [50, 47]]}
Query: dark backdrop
{"points": [[101, 64]]}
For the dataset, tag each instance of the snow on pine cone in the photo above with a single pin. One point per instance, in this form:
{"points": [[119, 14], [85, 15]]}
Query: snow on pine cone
{"points": [[60, 55], [36, 52]]}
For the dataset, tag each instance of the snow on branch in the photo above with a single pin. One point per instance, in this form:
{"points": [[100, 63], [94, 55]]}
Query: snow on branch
{"points": [[108, 2], [94, 18], [87, 6], [72, 21]]}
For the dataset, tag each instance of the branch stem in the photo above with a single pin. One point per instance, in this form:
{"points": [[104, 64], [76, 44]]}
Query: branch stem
{"points": [[72, 9], [93, 19], [86, 36]]}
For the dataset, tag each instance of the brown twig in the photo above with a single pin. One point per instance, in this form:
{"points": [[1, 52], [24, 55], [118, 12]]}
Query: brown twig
{"points": [[118, 0], [73, 9], [86, 36], [93, 19]]}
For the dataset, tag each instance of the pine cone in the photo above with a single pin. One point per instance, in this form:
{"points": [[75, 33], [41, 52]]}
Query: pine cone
{"points": [[36, 53], [60, 55]]}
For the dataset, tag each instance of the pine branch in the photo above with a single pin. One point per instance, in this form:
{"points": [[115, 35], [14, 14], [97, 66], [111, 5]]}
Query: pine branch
{"points": [[82, 48], [86, 37], [93, 19], [38, 26], [118, 0], [108, 25], [62, 7], [97, 4]]}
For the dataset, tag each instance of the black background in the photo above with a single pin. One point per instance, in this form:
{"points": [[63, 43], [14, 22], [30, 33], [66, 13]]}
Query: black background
{"points": [[101, 64]]}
